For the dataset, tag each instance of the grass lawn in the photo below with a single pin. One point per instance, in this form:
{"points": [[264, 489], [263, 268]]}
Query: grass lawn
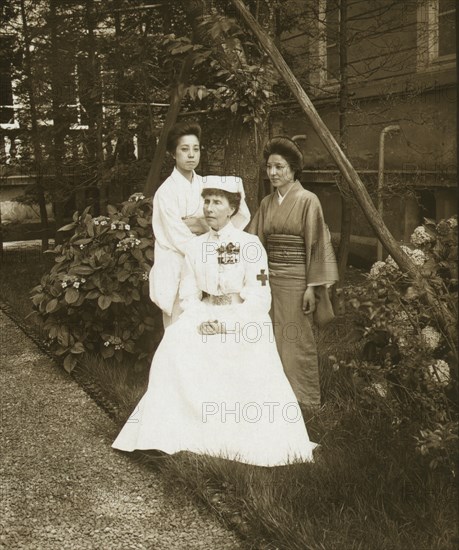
{"points": [[368, 489]]}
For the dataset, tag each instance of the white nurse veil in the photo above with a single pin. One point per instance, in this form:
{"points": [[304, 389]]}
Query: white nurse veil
{"points": [[232, 184]]}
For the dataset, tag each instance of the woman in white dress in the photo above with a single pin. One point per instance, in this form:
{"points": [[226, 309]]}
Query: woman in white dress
{"points": [[217, 385], [178, 217]]}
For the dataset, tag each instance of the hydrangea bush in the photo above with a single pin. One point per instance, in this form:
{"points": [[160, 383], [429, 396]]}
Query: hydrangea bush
{"points": [[408, 364], [96, 298]]}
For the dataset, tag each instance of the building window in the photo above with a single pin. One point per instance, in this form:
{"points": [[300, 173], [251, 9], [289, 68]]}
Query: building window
{"points": [[436, 33], [8, 101], [446, 27], [332, 21], [323, 43]]}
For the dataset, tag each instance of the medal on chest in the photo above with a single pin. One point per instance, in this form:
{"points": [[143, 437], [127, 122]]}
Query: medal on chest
{"points": [[228, 254]]}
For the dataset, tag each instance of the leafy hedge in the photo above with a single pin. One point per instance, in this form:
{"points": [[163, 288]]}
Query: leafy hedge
{"points": [[95, 298]]}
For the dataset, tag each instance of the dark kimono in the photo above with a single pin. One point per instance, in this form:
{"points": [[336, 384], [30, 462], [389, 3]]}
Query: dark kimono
{"points": [[300, 253]]}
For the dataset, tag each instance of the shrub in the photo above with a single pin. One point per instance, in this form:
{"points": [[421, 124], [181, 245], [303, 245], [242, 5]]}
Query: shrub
{"points": [[95, 298], [408, 364]]}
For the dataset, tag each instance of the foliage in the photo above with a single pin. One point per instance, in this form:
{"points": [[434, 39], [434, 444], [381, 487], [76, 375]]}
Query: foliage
{"points": [[408, 366], [96, 297]]}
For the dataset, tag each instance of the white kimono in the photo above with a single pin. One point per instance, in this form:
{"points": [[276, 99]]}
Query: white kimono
{"points": [[174, 201], [223, 395]]}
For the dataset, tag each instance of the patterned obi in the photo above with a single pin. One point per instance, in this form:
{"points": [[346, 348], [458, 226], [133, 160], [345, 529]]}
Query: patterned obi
{"points": [[286, 249], [222, 299]]}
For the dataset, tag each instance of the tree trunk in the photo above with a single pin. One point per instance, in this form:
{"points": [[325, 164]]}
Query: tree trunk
{"points": [[177, 93], [124, 146], [60, 118], [346, 198], [242, 156], [92, 104], [34, 127]]}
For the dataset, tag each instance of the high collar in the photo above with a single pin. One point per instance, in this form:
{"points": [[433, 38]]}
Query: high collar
{"points": [[224, 233]]}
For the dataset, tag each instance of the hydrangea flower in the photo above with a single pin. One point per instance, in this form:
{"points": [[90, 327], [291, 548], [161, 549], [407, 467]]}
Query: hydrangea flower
{"points": [[420, 236], [114, 341], [123, 226], [440, 372], [430, 338], [377, 269], [452, 222], [136, 197], [101, 220], [417, 256], [127, 243]]}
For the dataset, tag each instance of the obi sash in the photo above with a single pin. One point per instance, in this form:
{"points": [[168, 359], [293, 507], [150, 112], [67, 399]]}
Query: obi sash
{"points": [[286, 249]]}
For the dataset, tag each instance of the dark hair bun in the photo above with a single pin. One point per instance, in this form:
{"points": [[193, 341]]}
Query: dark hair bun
{"points": [[181, 129], [287, 148]]}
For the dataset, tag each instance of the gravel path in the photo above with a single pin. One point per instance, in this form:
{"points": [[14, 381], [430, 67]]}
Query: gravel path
{"points": [[61, 484]]}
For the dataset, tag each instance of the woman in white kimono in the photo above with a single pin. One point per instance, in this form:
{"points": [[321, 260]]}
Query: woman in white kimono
{"points": [[178, 217], [216, 384]]}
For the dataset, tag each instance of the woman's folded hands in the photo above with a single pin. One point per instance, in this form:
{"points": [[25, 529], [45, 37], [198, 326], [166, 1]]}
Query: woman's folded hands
{"points": [[208, 328]]}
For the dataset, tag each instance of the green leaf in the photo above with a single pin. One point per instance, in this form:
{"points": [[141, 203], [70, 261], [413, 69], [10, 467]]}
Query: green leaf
{"points": [[107, 352], [69, 363], [77, 348], [111, 210], [52, 305], [81, 270], [104, 301], [71, 295], [68, 227]]}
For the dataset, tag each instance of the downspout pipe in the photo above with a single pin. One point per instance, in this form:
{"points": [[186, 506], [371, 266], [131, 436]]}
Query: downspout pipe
{"points": [[393, 128]]}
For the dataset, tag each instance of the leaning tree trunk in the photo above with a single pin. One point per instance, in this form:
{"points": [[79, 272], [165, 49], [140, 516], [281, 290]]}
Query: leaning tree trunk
{"points": [[444, 318], [34, 127]]}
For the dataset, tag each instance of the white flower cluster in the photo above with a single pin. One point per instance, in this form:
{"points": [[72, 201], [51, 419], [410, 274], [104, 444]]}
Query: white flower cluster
{"points": [[114, 341], [145, 276], [420, 236], [120, 225], [380, 269], [452, 222], [136, 197], [128, 242], [71, 280], [417, 256], [377, 269], [101, 220], [440, 372], [430, 338]]}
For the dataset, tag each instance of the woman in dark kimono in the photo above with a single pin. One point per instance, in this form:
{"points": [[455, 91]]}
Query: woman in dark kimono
{"points": [[302, 264]]}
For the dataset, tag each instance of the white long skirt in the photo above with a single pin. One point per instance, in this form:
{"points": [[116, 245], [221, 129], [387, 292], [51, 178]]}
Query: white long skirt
{"points": [[221, 395]]}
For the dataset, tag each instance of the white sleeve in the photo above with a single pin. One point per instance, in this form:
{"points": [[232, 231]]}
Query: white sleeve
{"points": [[169, 228], [189, 293]]}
